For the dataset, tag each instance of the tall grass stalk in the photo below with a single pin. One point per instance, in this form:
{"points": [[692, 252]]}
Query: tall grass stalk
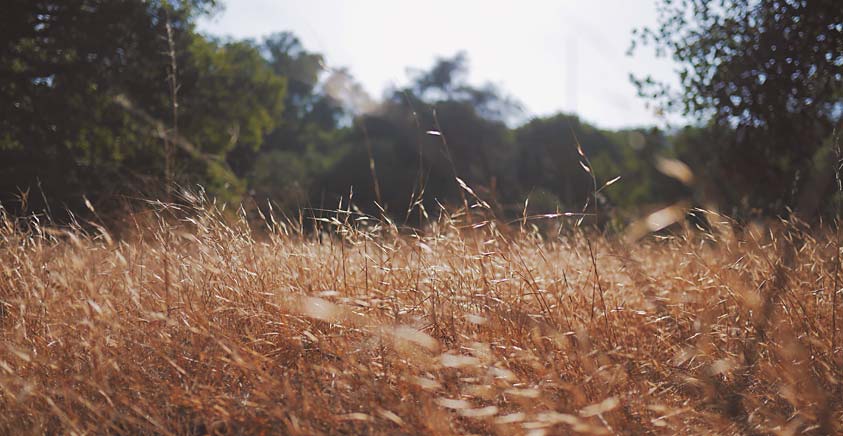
{"points": [[172, 82]]}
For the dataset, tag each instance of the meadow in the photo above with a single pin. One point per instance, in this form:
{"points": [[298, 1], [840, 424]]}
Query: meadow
{"points": [[196, 322]]}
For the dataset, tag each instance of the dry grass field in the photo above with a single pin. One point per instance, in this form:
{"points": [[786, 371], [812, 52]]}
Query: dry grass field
{"points": [[198, 324]]}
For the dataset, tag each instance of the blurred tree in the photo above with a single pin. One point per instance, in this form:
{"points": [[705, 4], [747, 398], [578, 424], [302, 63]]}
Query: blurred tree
{"points": [[549, 161], [770, 72], [307, 138], [642, 186], [470, 140], [551, 174], [85, 106], [231, 98], [447, 81], [65, 64]]}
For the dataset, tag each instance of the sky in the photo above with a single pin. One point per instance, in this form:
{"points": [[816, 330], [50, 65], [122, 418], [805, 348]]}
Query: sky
{"points": [[551, 55]]}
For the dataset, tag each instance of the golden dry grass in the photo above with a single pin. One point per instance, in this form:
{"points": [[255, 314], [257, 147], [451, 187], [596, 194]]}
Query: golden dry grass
{"points": [[202, 325]]}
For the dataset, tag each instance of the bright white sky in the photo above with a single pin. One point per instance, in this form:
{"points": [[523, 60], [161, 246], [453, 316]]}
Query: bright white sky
{"points": [[562, 55]]}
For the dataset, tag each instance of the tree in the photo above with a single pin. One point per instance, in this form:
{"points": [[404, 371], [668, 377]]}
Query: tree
{"points": [[306, 140], [65, 65], [478, 148], [770, 71], [549, 163], [232, 100]]}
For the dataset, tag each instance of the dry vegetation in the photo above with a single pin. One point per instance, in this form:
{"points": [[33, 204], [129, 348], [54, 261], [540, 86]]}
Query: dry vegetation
{"points": [[197, 324]]}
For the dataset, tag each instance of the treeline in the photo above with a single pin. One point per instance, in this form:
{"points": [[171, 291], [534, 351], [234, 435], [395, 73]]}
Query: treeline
{"points": [[110, 101]]}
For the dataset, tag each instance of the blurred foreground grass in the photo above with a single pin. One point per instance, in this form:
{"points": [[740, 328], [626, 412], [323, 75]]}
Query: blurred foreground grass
{"points": [[197, 324]]}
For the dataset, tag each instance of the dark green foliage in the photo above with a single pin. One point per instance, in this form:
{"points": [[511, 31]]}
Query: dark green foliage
{"points": [[85, 109], [65, 64], [549, 160], [469, 140], [549, 166], [307, 138]]}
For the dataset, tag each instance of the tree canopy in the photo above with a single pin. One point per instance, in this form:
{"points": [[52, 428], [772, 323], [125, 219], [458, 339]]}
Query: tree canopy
{"points": [[85, 102], [103, 101]]}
